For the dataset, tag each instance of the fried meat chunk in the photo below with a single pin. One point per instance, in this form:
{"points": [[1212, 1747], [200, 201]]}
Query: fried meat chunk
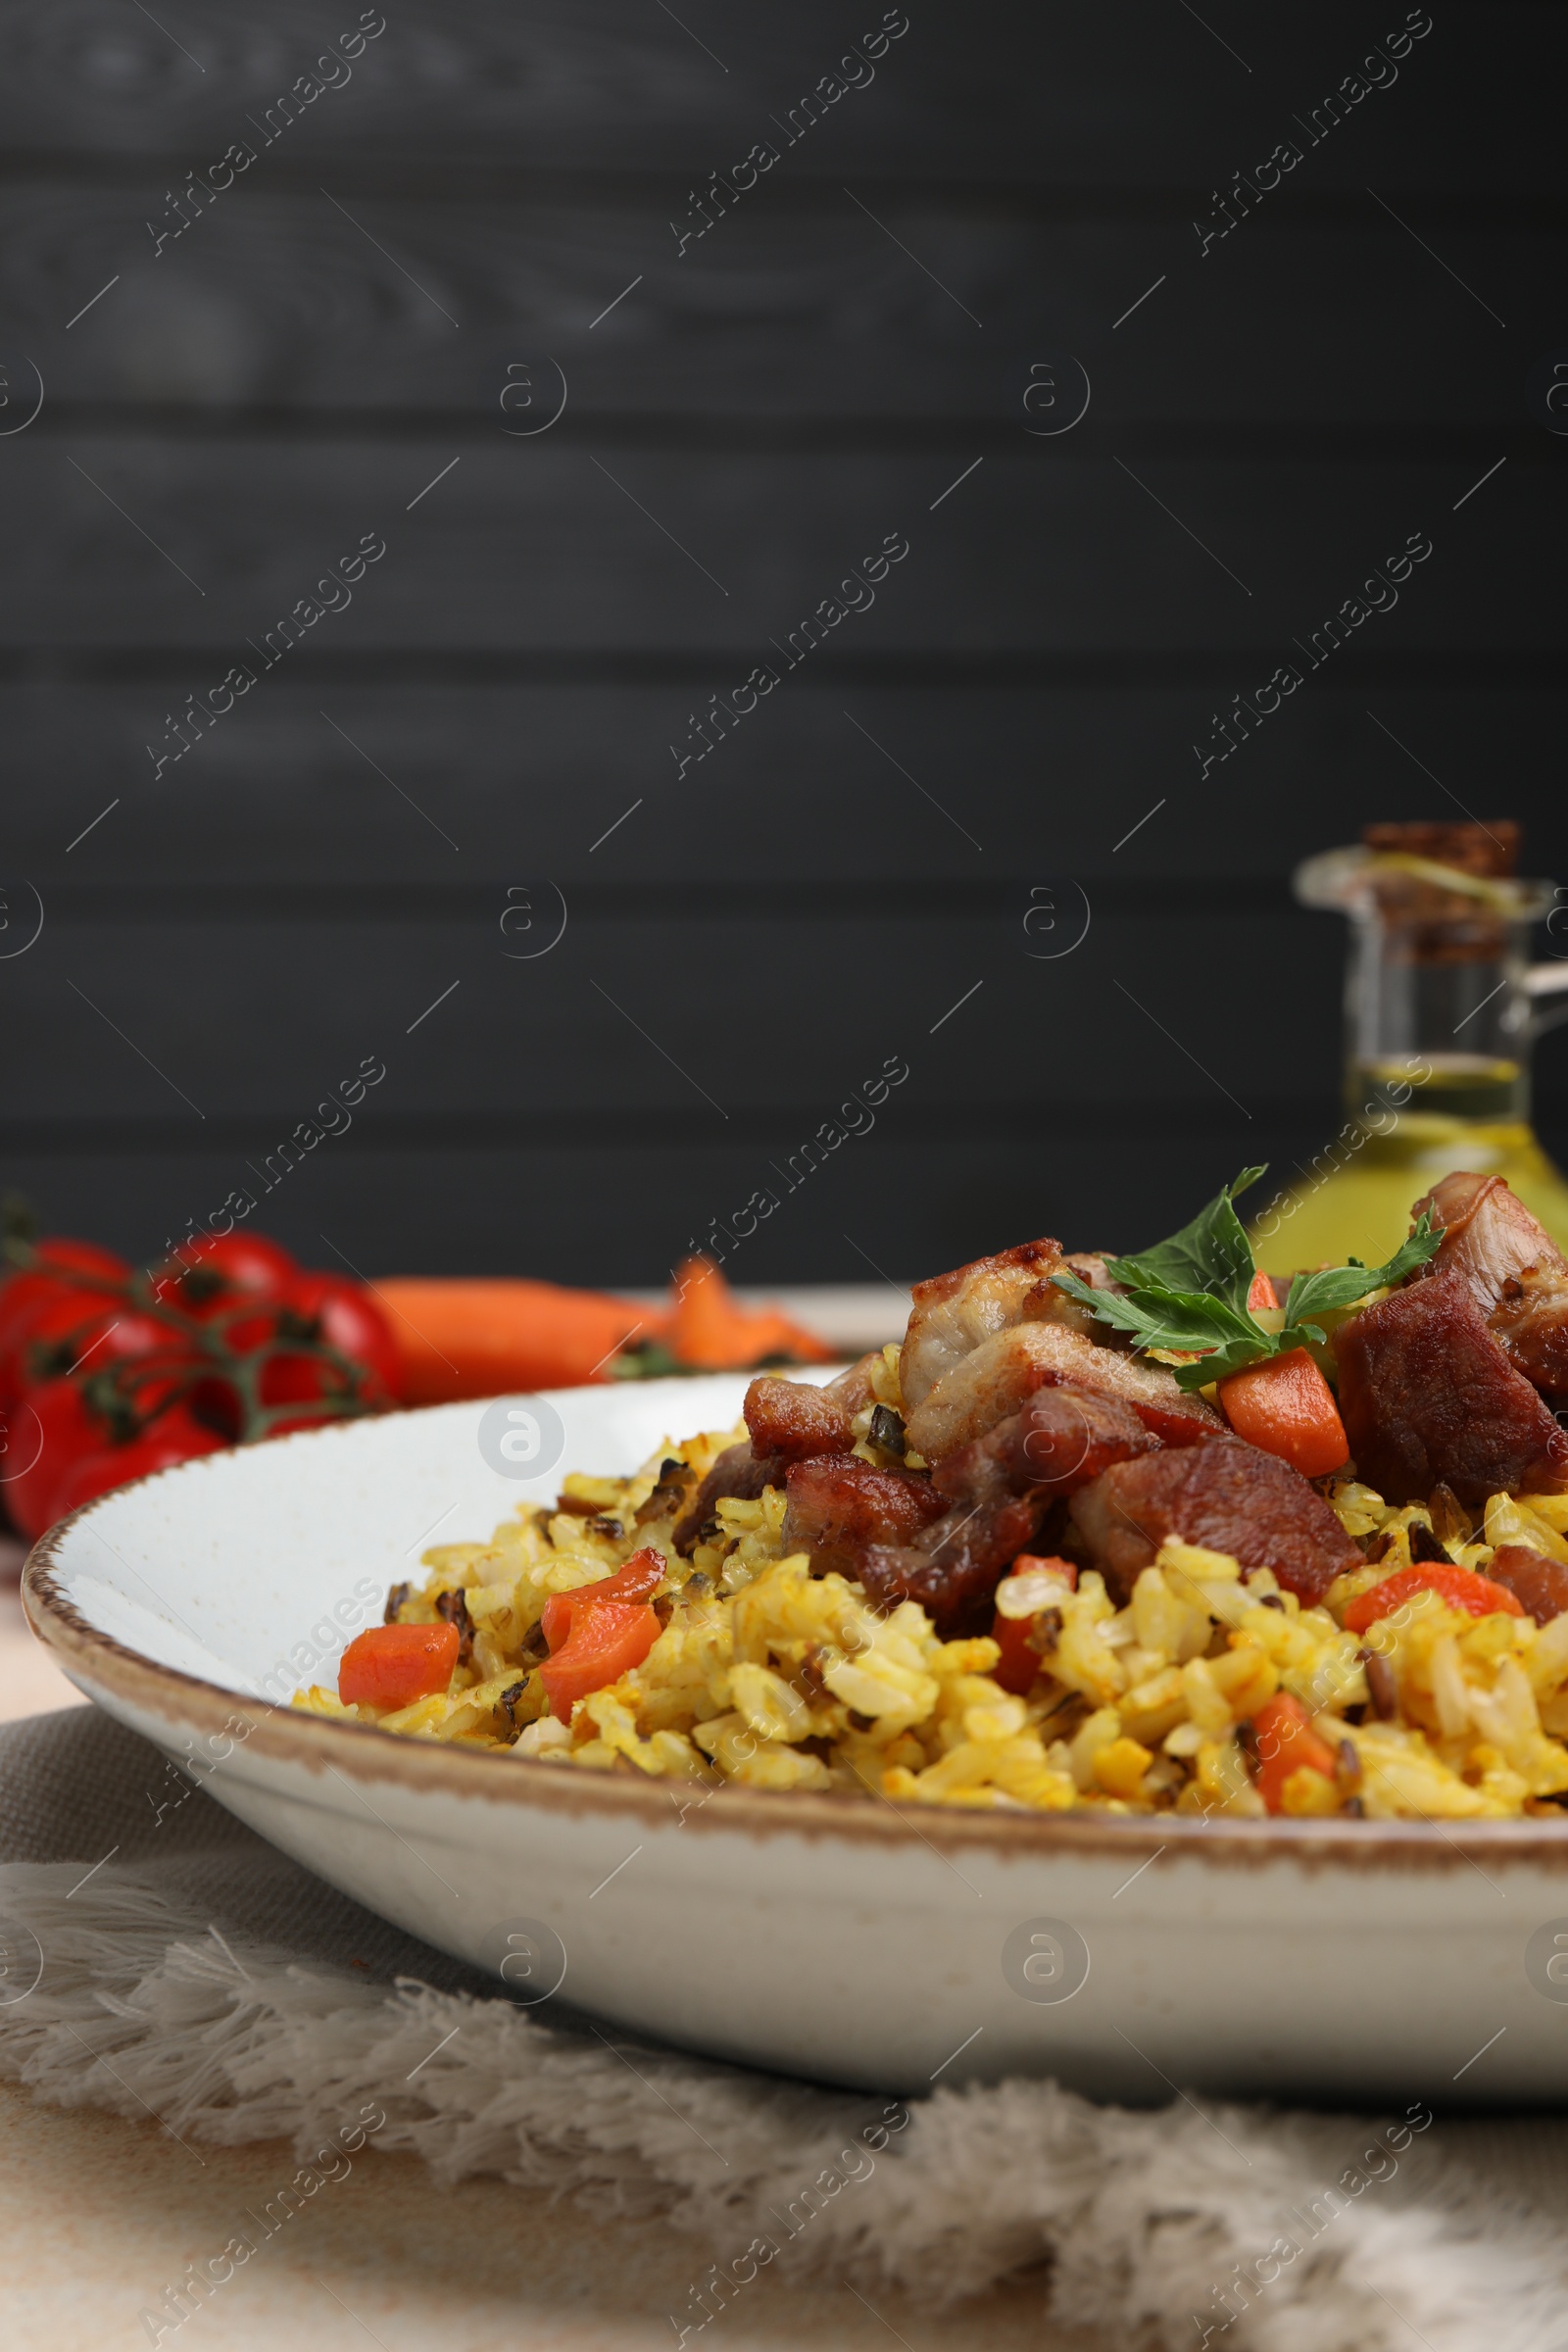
{"points": [[794, 1420], [1427, 1393], [1511, 1268], [1055, 1444], [954, 1569], [1227, 1497], [1540, 1586], [838, 1505], [998, 1489], [994, 1379], [952, 1313]]}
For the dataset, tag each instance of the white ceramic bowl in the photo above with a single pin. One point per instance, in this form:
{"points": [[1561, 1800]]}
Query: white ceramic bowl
{"points": [[833, 1936]]}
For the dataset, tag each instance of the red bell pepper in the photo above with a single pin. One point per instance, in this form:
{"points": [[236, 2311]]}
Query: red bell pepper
{"points": [[643, 1572], [607, 1640], [1019, 1663], [599, 1632]]}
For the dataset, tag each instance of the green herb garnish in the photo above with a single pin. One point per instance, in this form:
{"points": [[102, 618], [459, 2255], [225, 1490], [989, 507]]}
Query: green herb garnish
{"points": [[1189, 1292]]}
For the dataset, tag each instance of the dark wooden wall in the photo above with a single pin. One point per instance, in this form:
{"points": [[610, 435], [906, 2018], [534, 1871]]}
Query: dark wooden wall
{"points": [[247, 924]]}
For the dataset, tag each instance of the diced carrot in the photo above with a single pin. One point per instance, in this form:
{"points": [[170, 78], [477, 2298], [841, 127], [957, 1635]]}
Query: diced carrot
{"points": [[393, 1665], [1284, 1406], [710, 1332], [604, 1640], [1461, 1587], [488, 1338], [1285, 1744], [1260, 1292]]}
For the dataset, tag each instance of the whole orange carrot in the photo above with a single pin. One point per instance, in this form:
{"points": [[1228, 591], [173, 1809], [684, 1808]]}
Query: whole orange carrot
{"points": [[484, 1338]]}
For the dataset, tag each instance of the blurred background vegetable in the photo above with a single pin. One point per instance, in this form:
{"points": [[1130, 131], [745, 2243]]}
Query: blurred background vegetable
{"points": [[109, 1373]]}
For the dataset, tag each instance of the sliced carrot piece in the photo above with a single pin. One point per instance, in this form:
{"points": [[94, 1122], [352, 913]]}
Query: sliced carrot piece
{"points": [[1284, 1406]]}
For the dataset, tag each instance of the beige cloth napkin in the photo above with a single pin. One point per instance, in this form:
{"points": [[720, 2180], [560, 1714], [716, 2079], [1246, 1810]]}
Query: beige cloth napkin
{"points": [[157, 1958]]}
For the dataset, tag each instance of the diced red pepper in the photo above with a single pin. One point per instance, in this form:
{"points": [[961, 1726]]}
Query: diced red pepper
{"points": [[1284, 1406], [642, 1574], [1019, 1663], [603, 1640], [393, 1665], [1461, 1587], [1027, 1561], [1285, 1742]]}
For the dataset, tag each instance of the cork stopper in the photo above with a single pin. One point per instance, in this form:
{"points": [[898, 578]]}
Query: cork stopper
{"points": [[1437, 922], [1489, 852]]}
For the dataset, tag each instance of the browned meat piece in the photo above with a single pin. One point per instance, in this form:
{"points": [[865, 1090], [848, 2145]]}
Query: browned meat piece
{"points": [[1226, 1496], [1488, 1235], [1511, 1266], [1426, 1393], [839, 1505], [1058, 1442], [954, 1569], [851, 1390], [1176, 1424], [1000, 1487], [1531, 1324], [952, 1313], [739, 1473], [994, 1379], [1539, 1584], [787, 1417]]}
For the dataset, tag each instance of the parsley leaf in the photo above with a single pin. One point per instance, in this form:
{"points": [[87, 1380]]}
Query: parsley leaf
{"points": [[1157, 1318], [1342, 1286], [1211, 1255], [1189, 1293], [1161, 1318]]}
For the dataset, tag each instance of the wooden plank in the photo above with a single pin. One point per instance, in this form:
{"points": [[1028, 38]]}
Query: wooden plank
{"points": [[778, 316], [1139, 96], [1034, 1001], [546, 548], [909, 1205], [526, 781]]}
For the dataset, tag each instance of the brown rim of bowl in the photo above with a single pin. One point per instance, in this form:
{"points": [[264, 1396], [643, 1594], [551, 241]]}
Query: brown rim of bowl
{"points": [[364, 1752]]}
